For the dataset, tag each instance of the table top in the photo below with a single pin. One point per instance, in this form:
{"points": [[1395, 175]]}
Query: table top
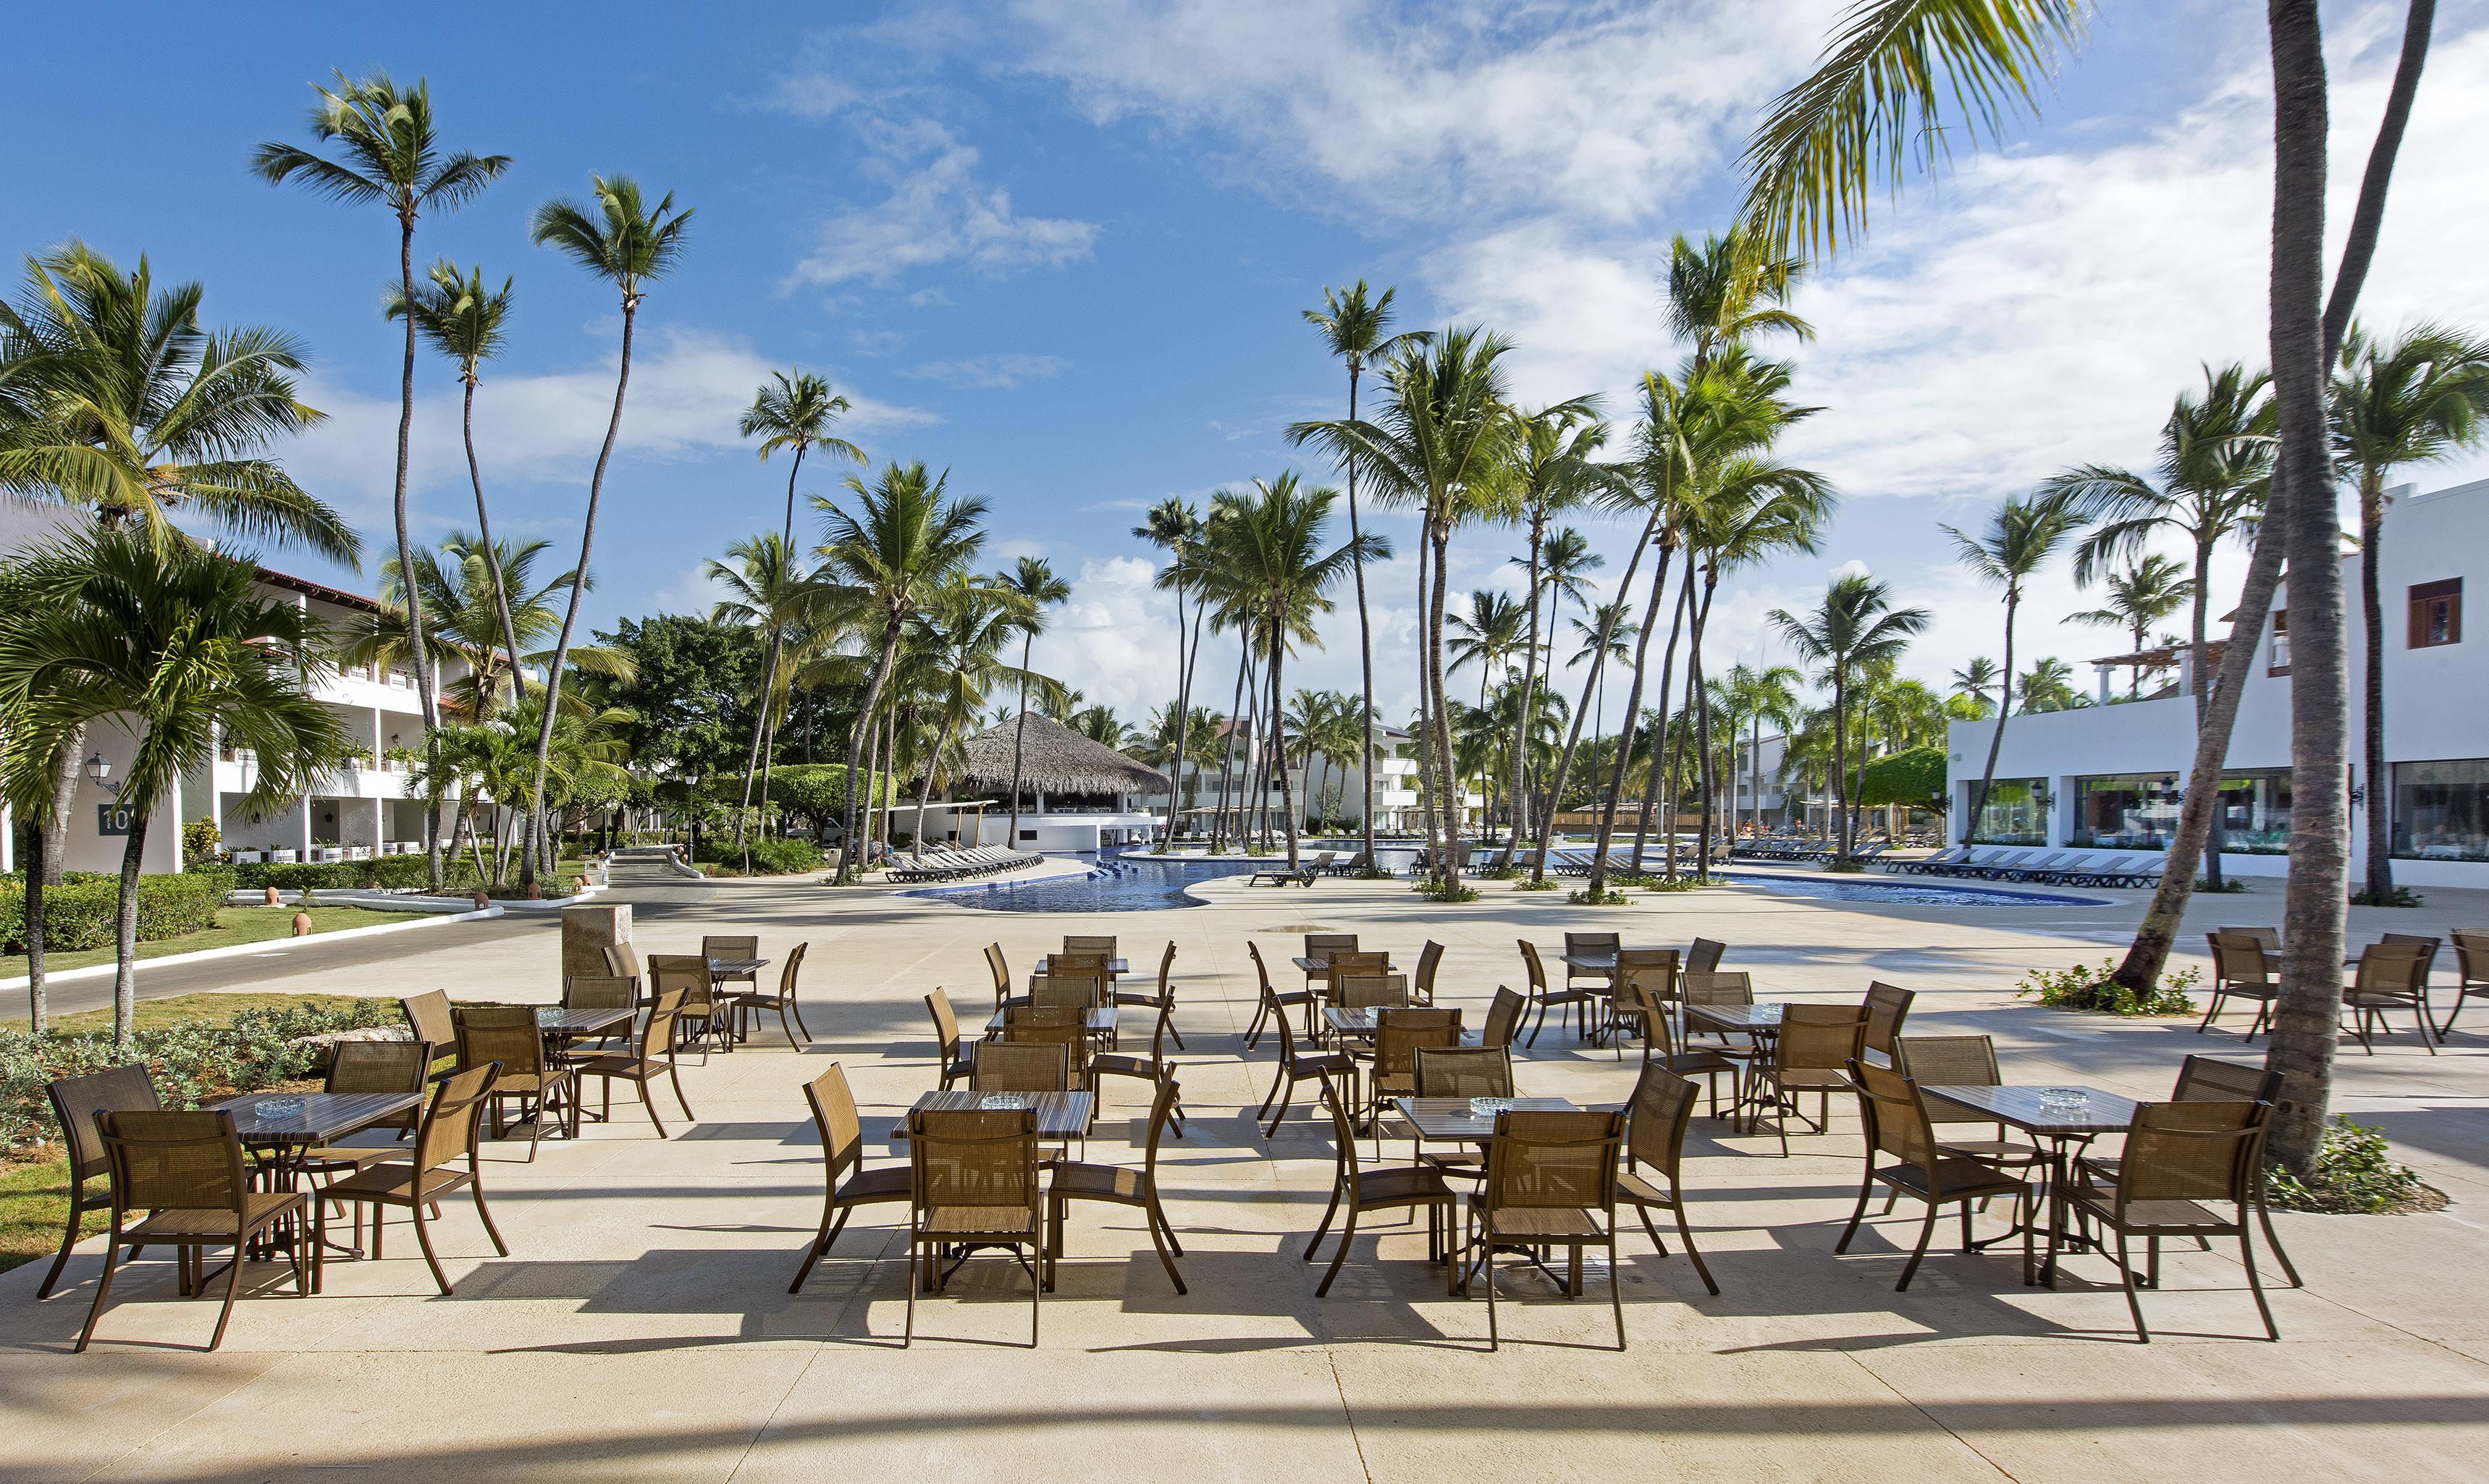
{"points": [[735, 969], [326, 1117], [1763, 1017], [555, 1020], [1450, 1119], [1102, 1020], [1605, 958], [1059, 1115], [1115, 968], [2020, 1106], [1320, 964]]}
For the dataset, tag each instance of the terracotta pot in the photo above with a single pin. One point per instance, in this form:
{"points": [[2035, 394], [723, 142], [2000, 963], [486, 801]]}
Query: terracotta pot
{"points": [[302, 924], [272, 899], [482, 902]]}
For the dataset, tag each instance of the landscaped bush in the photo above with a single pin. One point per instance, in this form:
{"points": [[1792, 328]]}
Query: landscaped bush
{"points": [[80, 912], [770, 856], [387, 874], [2083, 987], [2355, 1175], [193, 1061]]}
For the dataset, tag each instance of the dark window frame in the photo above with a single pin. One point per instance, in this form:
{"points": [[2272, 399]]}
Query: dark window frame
{"points": [[2434, 609]]}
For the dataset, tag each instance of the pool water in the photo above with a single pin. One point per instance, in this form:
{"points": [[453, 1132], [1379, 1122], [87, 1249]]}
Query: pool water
{"points": [[1908, 895], [1116, 884]]}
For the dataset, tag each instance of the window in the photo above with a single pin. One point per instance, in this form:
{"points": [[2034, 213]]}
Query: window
{"points": [[2279, 663], [2436, 614], [2012, 816], [2442, 810], [2254, 817], [2130, 811]]}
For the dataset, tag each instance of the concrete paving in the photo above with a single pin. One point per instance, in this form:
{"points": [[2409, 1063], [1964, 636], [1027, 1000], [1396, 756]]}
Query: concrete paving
{"points": [[641, 1328]]}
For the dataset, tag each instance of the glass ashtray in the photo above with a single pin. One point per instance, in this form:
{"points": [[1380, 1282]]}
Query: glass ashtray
{"points": [[1769, 1012], [278, 1107], [2063, 1099], [1489, 1107], [1000, 1101]]}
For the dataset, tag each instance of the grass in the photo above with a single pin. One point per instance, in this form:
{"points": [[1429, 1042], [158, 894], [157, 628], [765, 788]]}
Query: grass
{"points": [[216, 1007], [233, 926]]}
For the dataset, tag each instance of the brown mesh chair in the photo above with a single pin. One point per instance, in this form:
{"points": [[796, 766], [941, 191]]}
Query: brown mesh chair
{"points": [[2241, 970], [2266, 938], [1503, 1016], [2180, 1161], [1000, 968], [449, 1132], [651, 1059], [687, 974], [1320, 946], [1373, 991], [1116, 1184], [1896, 1124], [972, 1185], [2206, 1080], [1644, 976], [1551, 1181], [1024, 1066], [1399, 1032], [1298, 1065], [846, 1183], [371, 1066], [1601, 982], [1655, 1123], [1962, 1061], [1459, 1071], [2390, 976], [1302, 999], [75, 1102], [1704, 956], [602, 991], [751, 1004], [1102, 944], [1068, 983], [1163, 999], [1732, 987], [429, 1016], [1404, 1187], [622, 962], [1576, 1003], [1344, 965], [1887, 1007], [1660, 1049], [1430, 962], [1152, 1068], [1040, 1026], [507, 1034], [715, 947], [185, 1170], [2471, 964], [956, 1064], [1811, 1053]]}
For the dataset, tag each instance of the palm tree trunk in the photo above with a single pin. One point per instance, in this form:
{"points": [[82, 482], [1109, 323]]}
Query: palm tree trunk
{"points": [[1703, 721], [1595, 683], [1520, 779], [2201, 683], [578, 583], [1364, 639], [1430, 795], [492, 556], [1663, 742], [1841, 754], [1599, 843], [1227, 757], [2004, 709], [1287, 790], [1453, 802], [125, 937], [2315, 903], [415, 634], [769, 669], [1183, 715], [849, 844], [2379, 808], [38, 1018], [925, 790], [1019, 728]]}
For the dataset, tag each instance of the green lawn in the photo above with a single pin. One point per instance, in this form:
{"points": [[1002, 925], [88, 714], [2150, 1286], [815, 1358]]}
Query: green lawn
{"points": [[234, 925]]}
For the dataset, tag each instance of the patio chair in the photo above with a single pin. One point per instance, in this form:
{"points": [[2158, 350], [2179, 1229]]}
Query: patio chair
{"points": [[75, 1103], [1320, 946], [1099, 945], [955, 1065], [1575, 1001], [2208, 1079], [1460, 1071], [429, 1016], [1402, 1188], [1038, 1026], [1607, 943], [1022, 1065], [1660, 1049], [1896, 1124], [1551, 1181], [1163, 998], [1373, 991], [1503, 1015], [1656, 1118], [447, 1133], [602, 991], [1000, 968], [654, 1057], [1732, 986], [622, 962], [1812, 1054], [973, 1184], [506, 1035], [2390, 976], [1302, 999], [750, 1003], [1351, 964], [1297, 1067], [1887, 1007], [688, 974], [2241, 969], [1080, 987], [185, 1170], [1153, 1068], [2181, 1160], [716, 947], [1644, 977], [1115, 1185], [1704, 956], [2472, 964], [2266, 938], [1962, 1061], [1399, 1033], [370, 1067], [846, 1183]]}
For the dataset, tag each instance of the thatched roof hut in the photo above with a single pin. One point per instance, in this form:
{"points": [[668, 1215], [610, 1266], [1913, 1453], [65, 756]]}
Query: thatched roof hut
{"points": [[1053, 759]]}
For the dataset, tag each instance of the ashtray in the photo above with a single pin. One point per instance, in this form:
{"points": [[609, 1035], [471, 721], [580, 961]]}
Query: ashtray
{"points": [[1489, 1107], [2063, 1099], [278, 1107], [996, 1101]]}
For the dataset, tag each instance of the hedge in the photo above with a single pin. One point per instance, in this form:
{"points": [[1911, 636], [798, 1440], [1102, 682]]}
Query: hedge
{"points": [[388, 872], [770, 856], [1916, 776], [82, 911]]}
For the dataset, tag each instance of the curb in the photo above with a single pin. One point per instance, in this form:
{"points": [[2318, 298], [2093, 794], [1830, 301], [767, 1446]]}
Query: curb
{"points": [[264, 946]]}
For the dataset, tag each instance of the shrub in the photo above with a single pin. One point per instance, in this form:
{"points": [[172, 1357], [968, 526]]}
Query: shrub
{"points": [[80, 912], [192, 1062], [385, 873], [2353, 1175], [770, 856], [200, 839], [2081, 988], [1540, 885], [1584, 898], [1445, 892]]}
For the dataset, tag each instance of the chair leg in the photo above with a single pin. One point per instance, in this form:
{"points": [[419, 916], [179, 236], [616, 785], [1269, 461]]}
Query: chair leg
{"points": [[2209, 1011], [1616, 1292], [233, 1291], [2133, 1305], [1347, 1235], [68, 1242], [674, 1075], [2255, 1284], [423, 1240], [1285, 1098], [475, 1189], [102, 1288], [1280, 1077], [1329, 1212], [1866, 1189], [915, 1261], [650, 1104], [1165, 1260], [1685, 1234], [2273, 1239], [1927, 1230]]}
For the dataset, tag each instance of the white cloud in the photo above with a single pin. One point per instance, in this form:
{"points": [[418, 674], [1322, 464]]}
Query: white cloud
{"points": [[991, 372], [938, 210]]}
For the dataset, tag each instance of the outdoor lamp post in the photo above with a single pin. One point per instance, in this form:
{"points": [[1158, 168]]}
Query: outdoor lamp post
{"points": [[99, 772]]}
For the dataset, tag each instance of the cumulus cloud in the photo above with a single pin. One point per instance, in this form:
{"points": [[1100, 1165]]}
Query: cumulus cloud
{"points": [[939, 210], [991, 372]]}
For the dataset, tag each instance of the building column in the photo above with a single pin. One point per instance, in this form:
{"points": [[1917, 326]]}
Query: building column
{"points": [[305, 856]]}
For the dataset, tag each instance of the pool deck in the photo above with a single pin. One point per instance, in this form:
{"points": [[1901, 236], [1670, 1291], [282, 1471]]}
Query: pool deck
{"points": [[641, 1328]]}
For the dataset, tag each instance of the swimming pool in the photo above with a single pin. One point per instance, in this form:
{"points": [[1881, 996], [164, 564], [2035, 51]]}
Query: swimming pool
{"points": [[1116, 884], [1905, 895]]}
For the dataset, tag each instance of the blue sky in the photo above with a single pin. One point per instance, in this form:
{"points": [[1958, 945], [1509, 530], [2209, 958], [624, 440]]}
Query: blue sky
{"points": [[1061, 249]]}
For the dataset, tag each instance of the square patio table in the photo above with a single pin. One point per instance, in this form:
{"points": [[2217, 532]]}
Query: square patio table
{"points": [[1101, 1021], [735, 969], [1320, 964], [278, 1142], [1449, 1120], [1761, 1018], [559, 1020], [1059, 1115], [2063, 1129]]}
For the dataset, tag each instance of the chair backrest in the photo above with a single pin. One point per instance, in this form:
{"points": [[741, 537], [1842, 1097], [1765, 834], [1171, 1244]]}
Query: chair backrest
{"points": [[834, 1117], [622, 962], [1610, 943], [684, 973], [1895, 1116], [380, 1066], [1949, 1061], [599, 991], [2209, 1079], [2471, 953], [1730, 986], [2393, 968], [2266, 938], [506, 1034], [2239, 958], [1656, 1118], [657, 1032], [430, 1017], [1260, 970], [77, 1101], [1545, 1160], [794, 965], [1430, 959], [449, 1122], [1704, 955], [1363, 992], [1346, 964], [1531, 967], [716, 946], [1650, 969], [1463, 1071], [1022, 1064], [1887, 1007], [2195, 1151], [2426, 941], [1399, 1033], [1322, 945], [1076, 988], [1000, 968], [165, 1160], [1502, 1018], [972, 1158], [1819, 1037], [1166, 972], [1343, 1134], [946, 1023], [1101, 944]]}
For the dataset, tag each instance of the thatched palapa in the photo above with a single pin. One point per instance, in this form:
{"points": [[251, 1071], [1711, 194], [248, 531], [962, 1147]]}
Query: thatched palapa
{"points": [[1053, 759]]}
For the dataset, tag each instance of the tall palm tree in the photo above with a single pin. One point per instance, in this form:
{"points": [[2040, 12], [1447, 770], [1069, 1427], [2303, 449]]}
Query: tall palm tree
{"points": [[2020, 537], [793, 412], [621, 239], [1855, 625], [2048, 686], [1443, 443], [2140, 596], [767, 588], [967, 628], [1174, 527], [177, 646], [1761, 694], [1977, 681], [1605, 635], [2420, 397], [461, 605], [388, 153], [1873, 111], [1556, 470], [908, 539], [1034, 583], [1351, 324], [1488, 636]]}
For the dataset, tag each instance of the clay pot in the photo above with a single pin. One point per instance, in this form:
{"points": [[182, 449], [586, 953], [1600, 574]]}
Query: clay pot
{"points": [[302, 924], [273, 899], [482, 902]]}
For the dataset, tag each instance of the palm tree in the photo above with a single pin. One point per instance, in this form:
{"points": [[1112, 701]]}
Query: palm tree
{"points": [[1606, 635], [2414, 400], [1174, 526], [1977, 681], [792, 413], [966, 631], [2024, 534], [767, 588], [1101, 724], [2048, 686], [2146, 592], [1854, 626], [176, 646], [1768, 694], [1034, 583], [1556, 470], [629, 244], [908, 540], [388, 153], [461, 604], [1488, 636], [1352, 325]]}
